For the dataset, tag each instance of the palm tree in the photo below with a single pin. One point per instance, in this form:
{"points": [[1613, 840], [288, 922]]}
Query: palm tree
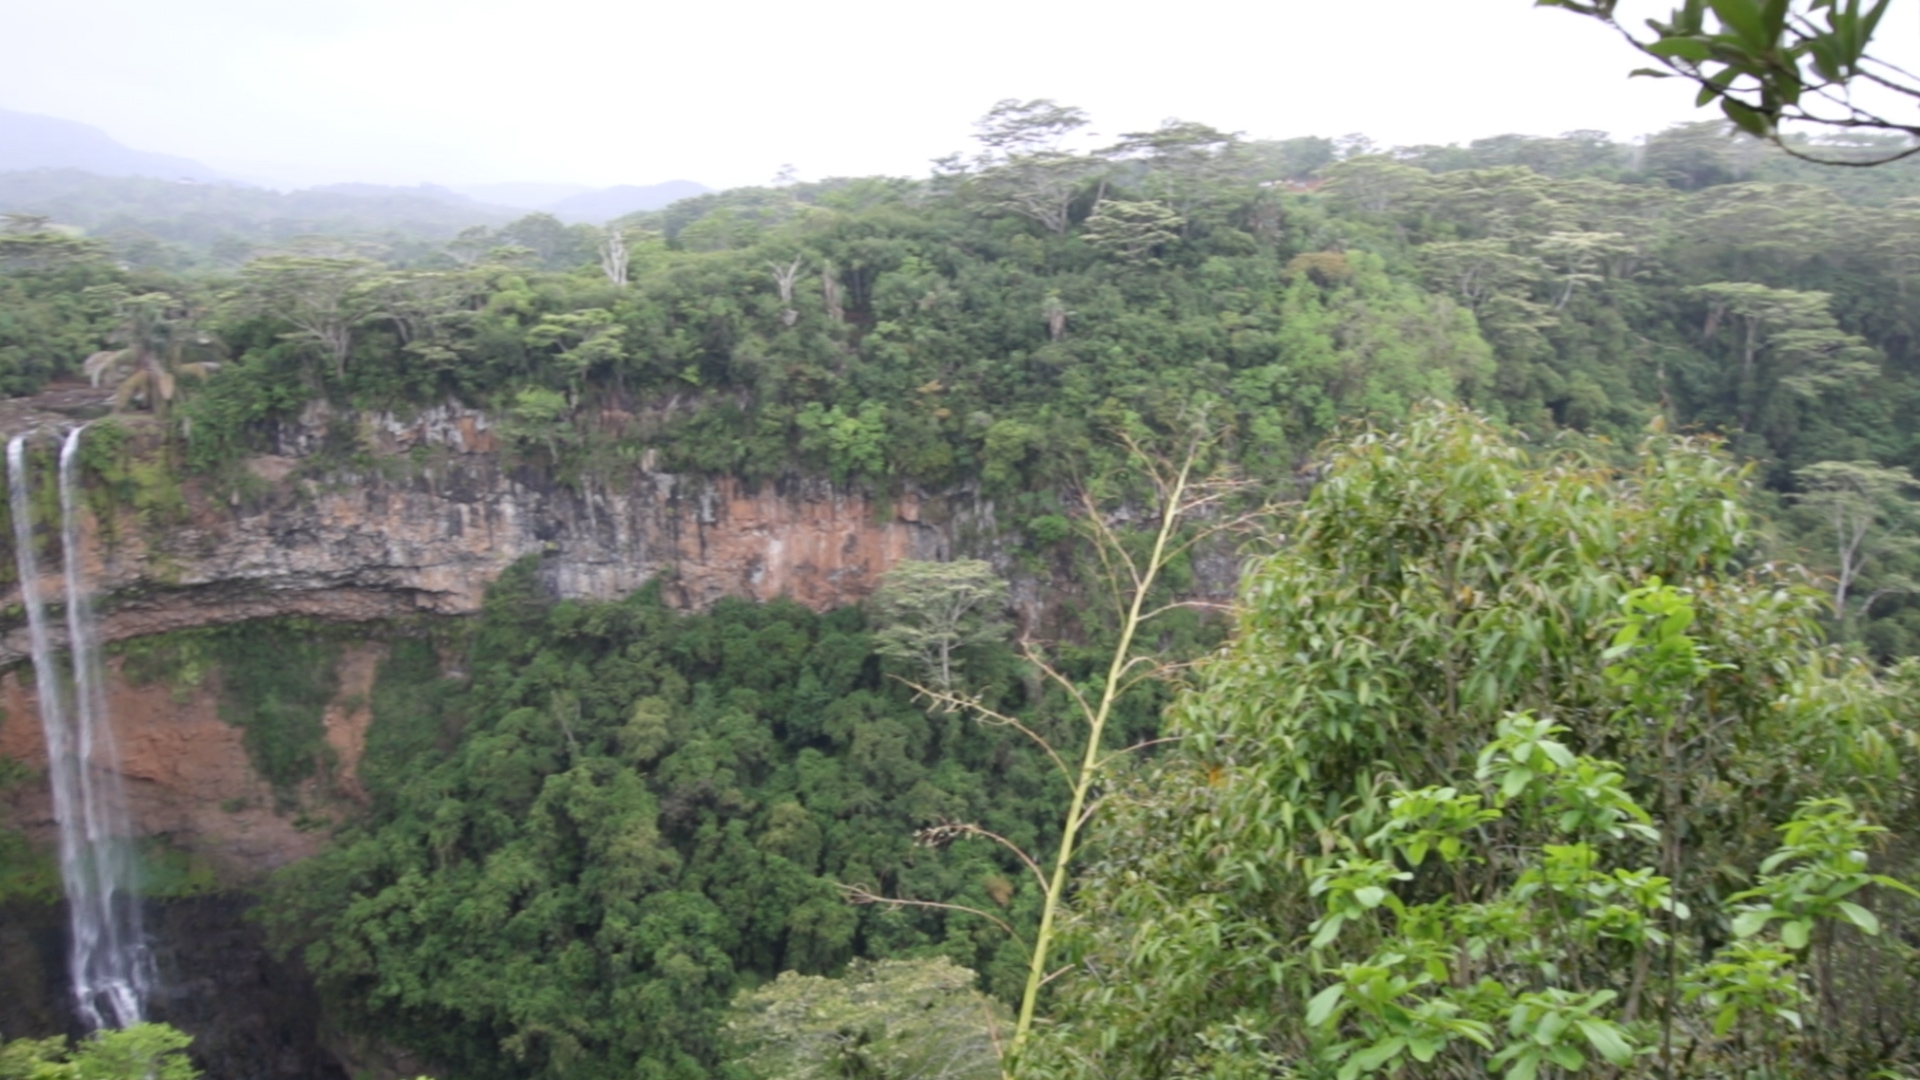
{"points": [[160, 342]]}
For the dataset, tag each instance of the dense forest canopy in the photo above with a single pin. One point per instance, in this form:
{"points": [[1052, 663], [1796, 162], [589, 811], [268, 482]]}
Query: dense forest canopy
{"points": [[646, 812], [620, 817], [985, 324], [1510, 766]]}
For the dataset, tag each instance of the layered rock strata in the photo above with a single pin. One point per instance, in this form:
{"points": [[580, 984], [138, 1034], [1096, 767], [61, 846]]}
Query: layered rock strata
{"points": [[445, 512]]}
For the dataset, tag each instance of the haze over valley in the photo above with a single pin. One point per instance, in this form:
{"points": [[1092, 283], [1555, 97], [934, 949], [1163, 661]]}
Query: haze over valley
{"points": [[1015, 542]]}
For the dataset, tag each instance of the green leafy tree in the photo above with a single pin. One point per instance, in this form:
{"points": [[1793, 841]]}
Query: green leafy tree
{"points": [[1867, 513], [1580, 257], [325, 298], [30, 242], [882, 1020], [1133, 231], [1184, 164], [1024, 166], [552, 244], [929, 613], [163, 340], [587, 342], [140, 1052], [542, 417], [1759, 312], [1474, 786], [429, 310], [852, 441]]}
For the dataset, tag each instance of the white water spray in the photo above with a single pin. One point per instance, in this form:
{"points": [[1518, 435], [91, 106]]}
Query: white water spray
{"points": [[111, 969]]}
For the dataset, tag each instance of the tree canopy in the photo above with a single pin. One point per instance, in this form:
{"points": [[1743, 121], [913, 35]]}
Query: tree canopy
{"points": [[1509, 686], [1509, 765], [623, 816]]}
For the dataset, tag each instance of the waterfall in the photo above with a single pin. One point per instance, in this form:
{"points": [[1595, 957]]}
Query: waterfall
{"points": [[107, 950]]}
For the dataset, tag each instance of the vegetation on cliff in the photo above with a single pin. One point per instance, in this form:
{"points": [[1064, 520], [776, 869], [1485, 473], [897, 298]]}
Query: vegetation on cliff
{"points": [[1527, 753], [140, 1052], [623, 815], [988, 324]]}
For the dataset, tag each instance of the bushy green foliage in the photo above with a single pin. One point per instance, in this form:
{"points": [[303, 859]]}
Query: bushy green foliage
{"points": [[616, 817], [884, 1020], [165, 871], [51, 320], [881, 331], [412, 720], [141, 1052], [27, 873], [621, 815], [1496, 774]]}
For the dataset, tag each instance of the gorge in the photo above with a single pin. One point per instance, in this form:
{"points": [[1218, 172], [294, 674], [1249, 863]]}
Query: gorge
{"points": [[486, 623], [414, 540]]}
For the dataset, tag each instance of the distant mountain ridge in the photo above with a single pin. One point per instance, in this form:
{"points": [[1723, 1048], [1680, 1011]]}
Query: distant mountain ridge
{"points": [[572, 203], [29, 141], [165, 223], [525, 195], [624, 199]]}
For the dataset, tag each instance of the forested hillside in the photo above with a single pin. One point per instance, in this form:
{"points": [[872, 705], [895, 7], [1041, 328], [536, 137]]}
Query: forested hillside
{"points": [[989, 323], [608, 819], [645, 813], [187, 226]]}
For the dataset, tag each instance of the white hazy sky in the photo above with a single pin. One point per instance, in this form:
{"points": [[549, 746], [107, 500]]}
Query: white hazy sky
{"points": [[725, 92]]}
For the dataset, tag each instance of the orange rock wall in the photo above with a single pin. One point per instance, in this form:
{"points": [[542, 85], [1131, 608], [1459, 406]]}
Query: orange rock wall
{"points": [[187, 774], [447, 513], [425, 534]]}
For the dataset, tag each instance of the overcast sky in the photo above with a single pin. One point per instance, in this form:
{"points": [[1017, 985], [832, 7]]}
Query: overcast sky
{"points": [[725, 92]]}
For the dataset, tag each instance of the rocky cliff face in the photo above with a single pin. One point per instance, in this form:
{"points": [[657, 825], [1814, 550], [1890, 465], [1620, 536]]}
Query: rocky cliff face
{"points": [[424, 533], [188, 778], [445, 512]]}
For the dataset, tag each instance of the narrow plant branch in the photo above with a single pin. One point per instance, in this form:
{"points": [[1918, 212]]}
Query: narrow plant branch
{"points": [[1136, 747], [860, 894], [1072, 688], [946, 833], [958, 702], [1172, 510]]}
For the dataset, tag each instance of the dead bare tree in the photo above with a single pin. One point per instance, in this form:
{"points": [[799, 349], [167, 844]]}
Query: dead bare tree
{"points": [[1056, 313], [784, 277], [613, 257], [830, 288]]}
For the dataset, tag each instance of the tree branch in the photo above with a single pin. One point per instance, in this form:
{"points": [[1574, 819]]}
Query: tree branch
{"points": [[860, 894]]}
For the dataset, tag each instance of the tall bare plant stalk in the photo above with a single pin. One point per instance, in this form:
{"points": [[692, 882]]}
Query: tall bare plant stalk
{"points": [[1188, 515]]}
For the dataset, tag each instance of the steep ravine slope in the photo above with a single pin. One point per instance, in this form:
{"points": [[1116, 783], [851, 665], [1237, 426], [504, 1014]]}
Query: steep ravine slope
{"points": [[440, 511], [422, 531], [433, 513]]}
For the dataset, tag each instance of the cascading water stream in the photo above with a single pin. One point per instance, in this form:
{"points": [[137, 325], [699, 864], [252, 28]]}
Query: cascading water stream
{"points": [[108, 958]]}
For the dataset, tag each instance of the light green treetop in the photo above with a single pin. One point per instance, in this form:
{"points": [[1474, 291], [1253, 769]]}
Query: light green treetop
{"points": [[883, 1020], [927, 612], [141, 1052]]}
